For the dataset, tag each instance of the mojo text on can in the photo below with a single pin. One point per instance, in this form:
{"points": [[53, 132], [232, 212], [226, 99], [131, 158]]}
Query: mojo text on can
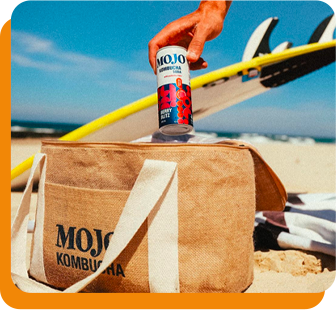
{"points": [[174, 92]]}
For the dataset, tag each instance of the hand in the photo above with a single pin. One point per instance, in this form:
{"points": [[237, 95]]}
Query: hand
{"points": [[191, 32]]}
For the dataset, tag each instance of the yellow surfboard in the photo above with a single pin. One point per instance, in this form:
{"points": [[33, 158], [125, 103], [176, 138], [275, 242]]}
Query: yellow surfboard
{"points": [[211, 93]]}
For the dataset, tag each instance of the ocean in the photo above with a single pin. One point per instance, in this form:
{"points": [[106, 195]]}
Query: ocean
{"points": [[29, 129]]}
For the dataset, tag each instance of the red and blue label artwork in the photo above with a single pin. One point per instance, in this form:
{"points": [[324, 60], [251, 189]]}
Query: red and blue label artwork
{"points": [[175, 104]]}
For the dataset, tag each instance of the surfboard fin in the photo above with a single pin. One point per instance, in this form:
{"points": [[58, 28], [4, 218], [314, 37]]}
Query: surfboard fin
{"points": [[281, 47], [258, 43], [324, 31]]}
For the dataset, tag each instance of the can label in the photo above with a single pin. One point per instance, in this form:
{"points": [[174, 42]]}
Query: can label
{"points": [[174, 93]]}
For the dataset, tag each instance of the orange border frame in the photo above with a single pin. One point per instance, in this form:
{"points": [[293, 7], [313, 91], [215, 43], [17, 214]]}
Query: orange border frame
{"points": [[19, 299]]}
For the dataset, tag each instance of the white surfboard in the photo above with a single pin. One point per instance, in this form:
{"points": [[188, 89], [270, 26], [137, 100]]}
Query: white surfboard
{"points": [[260, 71]]}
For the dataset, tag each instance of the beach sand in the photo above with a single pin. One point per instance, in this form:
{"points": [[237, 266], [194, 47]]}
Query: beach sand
{"points": [[302, 169]]}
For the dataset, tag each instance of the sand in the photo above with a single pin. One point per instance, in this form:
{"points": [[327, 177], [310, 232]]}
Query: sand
{"points": [[302, 169]]}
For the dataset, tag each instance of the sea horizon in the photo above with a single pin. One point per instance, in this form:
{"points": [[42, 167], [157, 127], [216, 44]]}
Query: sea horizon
{"points": [[37, 129]]}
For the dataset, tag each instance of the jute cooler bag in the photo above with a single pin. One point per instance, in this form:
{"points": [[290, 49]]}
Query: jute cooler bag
{"points": [[143, 217]]}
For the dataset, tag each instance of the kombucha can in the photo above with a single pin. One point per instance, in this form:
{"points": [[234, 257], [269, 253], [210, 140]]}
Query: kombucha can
{"points": [[174, 93]]}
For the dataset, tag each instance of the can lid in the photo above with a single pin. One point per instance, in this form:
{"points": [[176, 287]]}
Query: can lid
{"points": [[176, 129]]}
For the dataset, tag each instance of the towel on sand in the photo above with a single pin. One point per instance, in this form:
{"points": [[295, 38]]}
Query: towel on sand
{"points": [[307, 223]]}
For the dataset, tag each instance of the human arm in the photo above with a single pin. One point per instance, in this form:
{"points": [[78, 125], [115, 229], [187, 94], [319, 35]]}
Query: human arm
{"points": [[192, 31]]}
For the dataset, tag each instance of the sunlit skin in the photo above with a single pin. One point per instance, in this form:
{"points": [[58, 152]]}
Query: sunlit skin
{"points": [[192, 31]]}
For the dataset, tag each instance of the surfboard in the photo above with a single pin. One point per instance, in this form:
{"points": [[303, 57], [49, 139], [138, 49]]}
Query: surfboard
{"points": [[261, 70]]}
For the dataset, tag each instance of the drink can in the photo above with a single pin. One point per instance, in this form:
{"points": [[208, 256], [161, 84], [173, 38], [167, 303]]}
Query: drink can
{"points": [[174, 92]]}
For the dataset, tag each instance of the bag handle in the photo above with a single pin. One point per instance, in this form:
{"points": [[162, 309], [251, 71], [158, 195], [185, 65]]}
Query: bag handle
{"points": [[154, 195]]}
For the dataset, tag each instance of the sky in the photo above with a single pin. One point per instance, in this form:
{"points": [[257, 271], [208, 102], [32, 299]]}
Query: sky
{"points": [[73, 62]]}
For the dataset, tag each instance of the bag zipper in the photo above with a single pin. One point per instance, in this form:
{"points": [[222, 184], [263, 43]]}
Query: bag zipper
{"points": [[140, 145]]}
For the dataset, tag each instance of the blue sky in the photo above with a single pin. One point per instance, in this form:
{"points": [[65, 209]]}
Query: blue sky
{"points": [[73, 62]]}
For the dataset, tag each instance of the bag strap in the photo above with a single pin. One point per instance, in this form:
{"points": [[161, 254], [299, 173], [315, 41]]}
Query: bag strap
{"points": [[20, 223], [154, 195]]}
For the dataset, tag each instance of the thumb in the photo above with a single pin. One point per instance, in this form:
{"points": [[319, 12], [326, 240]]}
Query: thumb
{"points": [[196, 45]]}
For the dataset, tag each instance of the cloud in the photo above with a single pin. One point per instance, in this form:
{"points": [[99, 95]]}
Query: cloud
{"points": [[31, 51], [29, 63], [57, 84], [27, 47], [31, 43]]}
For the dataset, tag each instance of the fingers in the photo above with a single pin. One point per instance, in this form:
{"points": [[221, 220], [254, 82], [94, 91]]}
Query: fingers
{"points": [[175, 33], [196, 45], [199, 64], [191, 31], [186, 32], [152, 50]]}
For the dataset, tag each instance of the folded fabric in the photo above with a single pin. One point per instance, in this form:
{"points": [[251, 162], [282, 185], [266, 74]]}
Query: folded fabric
{"points": [[307, 223]]}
